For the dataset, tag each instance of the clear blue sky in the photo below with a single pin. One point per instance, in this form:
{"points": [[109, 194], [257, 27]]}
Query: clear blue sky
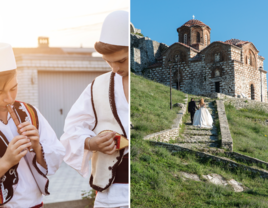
{"points": [[241, 19]]}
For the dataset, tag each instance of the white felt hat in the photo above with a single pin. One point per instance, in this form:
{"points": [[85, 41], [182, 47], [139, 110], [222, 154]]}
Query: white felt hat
{"points": [[115, 29], [7, 58]]}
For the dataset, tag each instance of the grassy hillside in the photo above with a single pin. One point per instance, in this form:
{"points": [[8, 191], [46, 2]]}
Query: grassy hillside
{"points": [[249, 137], [150, 108], [155, 178]]}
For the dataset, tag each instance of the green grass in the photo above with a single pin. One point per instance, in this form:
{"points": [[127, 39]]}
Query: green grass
{"points": [[155, 179], [150, 107], [249, 138]]}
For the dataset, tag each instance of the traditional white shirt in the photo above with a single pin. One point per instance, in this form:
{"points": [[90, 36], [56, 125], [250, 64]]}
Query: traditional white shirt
{"points": [[27, 193], [78, 124]]}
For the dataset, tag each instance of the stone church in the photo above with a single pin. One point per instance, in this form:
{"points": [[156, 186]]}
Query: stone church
{"points": [[233, 67]]}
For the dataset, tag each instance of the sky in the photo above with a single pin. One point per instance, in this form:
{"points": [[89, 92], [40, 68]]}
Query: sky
{"points": [[67, 23], [241, 19]]}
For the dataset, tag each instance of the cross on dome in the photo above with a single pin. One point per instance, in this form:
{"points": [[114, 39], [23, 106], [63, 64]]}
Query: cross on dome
{"points": [[193, 16]]}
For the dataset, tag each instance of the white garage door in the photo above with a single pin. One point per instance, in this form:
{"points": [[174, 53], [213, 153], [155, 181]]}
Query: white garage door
{"points": [[57, 93]]}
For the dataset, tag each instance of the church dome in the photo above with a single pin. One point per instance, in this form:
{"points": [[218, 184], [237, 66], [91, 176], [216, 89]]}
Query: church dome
{"points": [[194, 22]]}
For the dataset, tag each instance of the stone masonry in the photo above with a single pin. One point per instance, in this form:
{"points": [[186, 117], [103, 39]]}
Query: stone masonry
{"points": [[144, 52], [233, 67]]}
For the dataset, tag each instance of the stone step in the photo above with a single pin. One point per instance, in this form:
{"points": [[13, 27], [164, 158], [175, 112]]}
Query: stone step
{"points": [[201, 132], [213, 117], [197, 146], [197, 139], [188, 123], [191, 127]]}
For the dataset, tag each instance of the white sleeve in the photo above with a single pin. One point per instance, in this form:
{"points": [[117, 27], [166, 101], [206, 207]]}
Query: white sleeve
{"points": [[78, 124], [53, 150]]}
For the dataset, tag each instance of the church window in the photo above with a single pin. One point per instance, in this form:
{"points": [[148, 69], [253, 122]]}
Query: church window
{"points": [[198, 37], [185, 39], [252, 92], [206, 40], [249, 63], [176, 58], [217, 73], [217, 57]]}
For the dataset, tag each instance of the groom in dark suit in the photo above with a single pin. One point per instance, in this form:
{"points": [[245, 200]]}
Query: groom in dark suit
{"points": [[191, 109]]}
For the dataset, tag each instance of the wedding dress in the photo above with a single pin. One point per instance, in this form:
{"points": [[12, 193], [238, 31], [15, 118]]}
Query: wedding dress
{"points": [[202, 118]]}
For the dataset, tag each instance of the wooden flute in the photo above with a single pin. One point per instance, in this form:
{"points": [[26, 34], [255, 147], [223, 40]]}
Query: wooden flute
{"points": [[15, 119]]}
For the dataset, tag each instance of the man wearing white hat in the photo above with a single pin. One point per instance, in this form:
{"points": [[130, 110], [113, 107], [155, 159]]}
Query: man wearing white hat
{"points": [[101, 115], [29, 148]]}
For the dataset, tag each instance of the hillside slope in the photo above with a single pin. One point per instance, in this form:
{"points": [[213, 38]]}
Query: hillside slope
{"points": [[155, 172]]}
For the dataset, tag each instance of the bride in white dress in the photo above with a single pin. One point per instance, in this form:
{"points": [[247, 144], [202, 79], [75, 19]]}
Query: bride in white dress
{"points": [[202, 117]]}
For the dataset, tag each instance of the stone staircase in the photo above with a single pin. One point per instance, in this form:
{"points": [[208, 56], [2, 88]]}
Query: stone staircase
{"points": [[199, 138]]}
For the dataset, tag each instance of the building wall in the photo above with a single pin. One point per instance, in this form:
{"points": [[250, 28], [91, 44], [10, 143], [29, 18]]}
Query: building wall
{"points": [[195, 72], [27, 85], [236, 54], [29, 65], [245, 75], [196, 77], [144, 52]]}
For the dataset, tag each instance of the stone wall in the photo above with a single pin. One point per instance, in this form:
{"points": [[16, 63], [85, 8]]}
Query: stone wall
{"points": [[236, 54], [245, 75], [226, 138], [196, 77], [246, 159], [144, 52], [245, 103], [173, 133], [194, 72], [216, 159]]}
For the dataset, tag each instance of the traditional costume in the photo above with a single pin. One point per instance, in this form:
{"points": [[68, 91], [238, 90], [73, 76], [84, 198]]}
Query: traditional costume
{"points": [[102, 106], [23, 185]]}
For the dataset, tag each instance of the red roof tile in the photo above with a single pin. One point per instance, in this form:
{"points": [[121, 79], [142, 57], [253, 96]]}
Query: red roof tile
{"points": [[236, 42], [188, 46]]}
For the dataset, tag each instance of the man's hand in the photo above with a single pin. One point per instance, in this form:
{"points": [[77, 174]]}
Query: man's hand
{"points": [[103, 143], [16, 149], [32, 133]]}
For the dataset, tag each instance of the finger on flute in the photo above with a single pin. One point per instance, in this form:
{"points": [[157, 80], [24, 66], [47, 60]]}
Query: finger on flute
{"points": [[15, 119]]}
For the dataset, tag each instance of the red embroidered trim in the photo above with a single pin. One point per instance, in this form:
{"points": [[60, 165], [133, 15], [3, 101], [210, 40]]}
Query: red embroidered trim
{"points": [[11, 179], [1, 197], [38, 206]]}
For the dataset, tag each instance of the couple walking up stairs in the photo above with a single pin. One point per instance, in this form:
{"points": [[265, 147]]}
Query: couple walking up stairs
{"points": [[194, 137]]}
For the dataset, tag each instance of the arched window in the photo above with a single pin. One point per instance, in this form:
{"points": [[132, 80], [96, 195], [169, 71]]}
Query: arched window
{"points": [[197, 37], [185, 39], [252, 92], [206, 40], [217, 57]]}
